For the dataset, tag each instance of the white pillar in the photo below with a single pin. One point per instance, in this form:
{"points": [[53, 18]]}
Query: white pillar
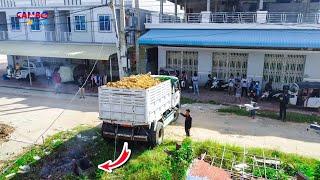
{"points": [[155, 18], [205, 16], [262, 17], [260, 4], [208, 5]]}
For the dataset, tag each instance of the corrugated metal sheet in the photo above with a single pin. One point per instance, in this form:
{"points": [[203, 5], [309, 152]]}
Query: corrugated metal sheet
{"points": [[59, 50], [279, 38]]}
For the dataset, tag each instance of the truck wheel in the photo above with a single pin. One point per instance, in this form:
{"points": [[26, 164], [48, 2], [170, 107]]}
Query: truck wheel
{"points": [[176, 116], [157, 136]]}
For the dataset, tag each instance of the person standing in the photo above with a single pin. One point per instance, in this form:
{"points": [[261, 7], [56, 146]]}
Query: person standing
{"points": [[231, 85], [49, 75], [284, 100], [238, 91], [57, 81], [238, 77], [244, 86], [81, 83], [187, 122], [195, 83]]}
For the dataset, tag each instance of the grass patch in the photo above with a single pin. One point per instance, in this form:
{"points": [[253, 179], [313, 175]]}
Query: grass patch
{"points": [[51, 144], [291, 163], [155, 163], [185, 100], [291, 116]]}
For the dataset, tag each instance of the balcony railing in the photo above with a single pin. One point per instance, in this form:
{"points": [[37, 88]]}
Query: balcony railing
{"points": [[237, 17]]}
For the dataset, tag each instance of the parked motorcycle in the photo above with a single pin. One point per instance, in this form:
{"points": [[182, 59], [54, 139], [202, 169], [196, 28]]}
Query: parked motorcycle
{"points": [[219, 85]]}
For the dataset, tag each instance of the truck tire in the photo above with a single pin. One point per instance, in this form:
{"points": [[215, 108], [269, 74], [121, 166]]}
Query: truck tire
{"points": [[176, 115], [157, 135]]}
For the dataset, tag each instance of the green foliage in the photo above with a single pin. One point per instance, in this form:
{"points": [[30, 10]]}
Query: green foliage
{"points": [[317, 172], [185, 100], [291, 116], [180, 160], [155, 164]]}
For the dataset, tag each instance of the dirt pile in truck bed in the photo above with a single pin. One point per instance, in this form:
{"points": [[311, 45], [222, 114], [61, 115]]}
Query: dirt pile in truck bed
{"points": [[5, 131], [142, 81]]}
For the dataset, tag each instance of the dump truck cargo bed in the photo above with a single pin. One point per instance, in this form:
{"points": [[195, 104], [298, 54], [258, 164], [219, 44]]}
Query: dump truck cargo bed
{"points": [[136, 106]]}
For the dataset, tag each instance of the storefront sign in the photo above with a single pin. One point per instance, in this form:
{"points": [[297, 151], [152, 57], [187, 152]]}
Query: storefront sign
{"points": [[27, 15]]}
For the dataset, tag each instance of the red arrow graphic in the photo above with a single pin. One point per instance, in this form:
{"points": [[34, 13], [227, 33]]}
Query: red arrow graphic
{"points": [[123, 158]]}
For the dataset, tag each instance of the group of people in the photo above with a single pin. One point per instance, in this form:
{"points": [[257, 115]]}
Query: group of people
{"points": [[184, 82], [242, 87]]}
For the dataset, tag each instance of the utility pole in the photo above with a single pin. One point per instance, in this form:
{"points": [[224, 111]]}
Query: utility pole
{"points": [[138, 25], [121, 39]]}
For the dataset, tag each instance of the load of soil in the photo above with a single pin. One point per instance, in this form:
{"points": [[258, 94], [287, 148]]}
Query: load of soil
{"points": [[5, 131]]}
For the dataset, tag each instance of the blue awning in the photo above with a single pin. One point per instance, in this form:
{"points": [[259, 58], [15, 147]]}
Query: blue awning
{"points": [[253, 38]]}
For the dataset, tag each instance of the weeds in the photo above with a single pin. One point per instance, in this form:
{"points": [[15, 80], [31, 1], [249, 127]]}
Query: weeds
{"points": [[291, 116], [155, 163]]}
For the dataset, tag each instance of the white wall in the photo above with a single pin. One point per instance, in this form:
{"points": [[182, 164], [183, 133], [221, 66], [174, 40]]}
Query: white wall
{"points": [[161, 57], [102, 36], [255, 61], [255, 66], [204, 65], [204, 61], [312, 67], [17, 34]]}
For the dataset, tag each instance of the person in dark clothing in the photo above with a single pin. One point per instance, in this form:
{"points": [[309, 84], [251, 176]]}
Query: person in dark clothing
{"points": [[187, 122], [81, 83], [284, 100]]}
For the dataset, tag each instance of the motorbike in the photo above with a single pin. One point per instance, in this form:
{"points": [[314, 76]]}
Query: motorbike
{"points": [[219, 85]]}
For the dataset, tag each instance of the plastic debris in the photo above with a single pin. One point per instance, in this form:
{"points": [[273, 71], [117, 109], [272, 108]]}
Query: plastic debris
{"points": [[240, 167], [37, 158], [24, 169], [10, 176]]}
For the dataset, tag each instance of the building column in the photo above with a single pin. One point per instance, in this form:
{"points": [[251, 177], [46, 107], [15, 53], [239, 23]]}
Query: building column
{"points": [[161, 7], [176, 8], [260, 4], [208, 5]]}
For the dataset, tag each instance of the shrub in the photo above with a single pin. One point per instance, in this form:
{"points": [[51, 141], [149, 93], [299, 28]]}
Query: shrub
{"points": [[180, 159]]}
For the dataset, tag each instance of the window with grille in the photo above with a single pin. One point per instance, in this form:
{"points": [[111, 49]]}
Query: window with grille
{"points": [[80, 23], [104, 23], [15, 23], [183, 61], [283, 69], [35, 26], [224, 64]]}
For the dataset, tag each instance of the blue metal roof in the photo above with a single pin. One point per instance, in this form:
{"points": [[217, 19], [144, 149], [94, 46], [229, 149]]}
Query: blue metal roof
{"points": [[275, 38]]}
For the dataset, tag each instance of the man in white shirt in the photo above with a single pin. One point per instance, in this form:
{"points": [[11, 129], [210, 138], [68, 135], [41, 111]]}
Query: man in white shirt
{"points": [[244, 85]]}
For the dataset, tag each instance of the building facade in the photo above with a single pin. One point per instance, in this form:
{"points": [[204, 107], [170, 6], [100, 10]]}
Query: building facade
{"points": [[261, 45], [73, 33]]}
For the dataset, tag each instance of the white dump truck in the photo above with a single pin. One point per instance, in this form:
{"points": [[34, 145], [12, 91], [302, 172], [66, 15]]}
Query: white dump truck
{"points": [[139, 114]]}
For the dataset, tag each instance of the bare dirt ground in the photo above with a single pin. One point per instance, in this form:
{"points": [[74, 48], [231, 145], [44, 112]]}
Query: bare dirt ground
{"points": [[5, 132], [244, 131], [31, 112]]}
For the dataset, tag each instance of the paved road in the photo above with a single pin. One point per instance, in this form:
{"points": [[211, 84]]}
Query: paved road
{"points": [[260, 132], [30, 113]]}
